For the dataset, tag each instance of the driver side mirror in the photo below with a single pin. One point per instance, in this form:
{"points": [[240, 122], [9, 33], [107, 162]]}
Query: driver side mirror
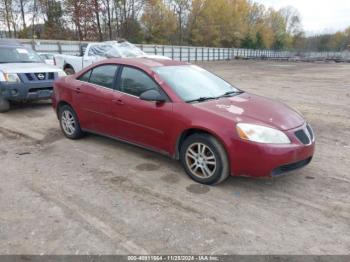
{"points": [[153, 95]]}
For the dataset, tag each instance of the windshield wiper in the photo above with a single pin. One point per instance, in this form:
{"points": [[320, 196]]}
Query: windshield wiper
{"points": [[205, 98], [230, 93], [201, 99]]}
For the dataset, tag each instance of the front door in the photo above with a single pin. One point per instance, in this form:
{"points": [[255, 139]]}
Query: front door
{"points": [[142, 122]]}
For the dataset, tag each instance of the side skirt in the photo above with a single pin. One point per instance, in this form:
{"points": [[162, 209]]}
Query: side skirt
{"points": [[164, 153]]}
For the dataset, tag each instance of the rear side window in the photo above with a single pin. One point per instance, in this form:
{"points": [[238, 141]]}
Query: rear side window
{"points": [[135, 82], [103, 75]]}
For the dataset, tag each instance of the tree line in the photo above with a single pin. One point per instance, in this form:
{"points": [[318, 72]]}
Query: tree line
{"points": [[218, 23]]}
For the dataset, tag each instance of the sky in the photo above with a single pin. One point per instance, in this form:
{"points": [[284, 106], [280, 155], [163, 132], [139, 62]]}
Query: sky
{"points": [[318, 16]]}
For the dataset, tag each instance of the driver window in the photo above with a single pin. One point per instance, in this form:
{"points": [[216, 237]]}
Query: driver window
{"points": [[135, 82]]}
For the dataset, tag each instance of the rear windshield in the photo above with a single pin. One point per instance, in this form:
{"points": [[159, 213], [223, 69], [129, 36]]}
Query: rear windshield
{"points": [[18, 54]]}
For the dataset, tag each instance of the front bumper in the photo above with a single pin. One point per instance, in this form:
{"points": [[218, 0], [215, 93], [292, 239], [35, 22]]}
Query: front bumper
{"points": [[290, 167], [270, 160], [26, 91]]}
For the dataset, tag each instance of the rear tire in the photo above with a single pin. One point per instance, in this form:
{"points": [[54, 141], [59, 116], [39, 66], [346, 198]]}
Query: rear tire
{"points": [[4, 105], [69, 122], [204, 159]]}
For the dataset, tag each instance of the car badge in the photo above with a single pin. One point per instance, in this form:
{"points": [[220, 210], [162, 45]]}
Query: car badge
{"points": [[41, 76]]}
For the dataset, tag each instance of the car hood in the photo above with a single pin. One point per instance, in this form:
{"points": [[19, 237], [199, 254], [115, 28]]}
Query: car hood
{"points": [[28, 68], [254, 109]]}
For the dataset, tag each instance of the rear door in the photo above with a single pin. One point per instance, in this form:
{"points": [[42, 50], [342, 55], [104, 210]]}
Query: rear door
{"points": [[94, 98], [142, 122]]}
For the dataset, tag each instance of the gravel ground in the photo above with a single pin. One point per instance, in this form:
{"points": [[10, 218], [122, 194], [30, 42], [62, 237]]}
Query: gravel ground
{"points": [[99, 196]]}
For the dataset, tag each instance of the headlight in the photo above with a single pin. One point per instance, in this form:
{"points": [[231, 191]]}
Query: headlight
{"points": [[10, 78], [261, 134], [61, 74]]}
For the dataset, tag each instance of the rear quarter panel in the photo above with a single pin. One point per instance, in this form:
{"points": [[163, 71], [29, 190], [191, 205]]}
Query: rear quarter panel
{"points": [[63, 92]]}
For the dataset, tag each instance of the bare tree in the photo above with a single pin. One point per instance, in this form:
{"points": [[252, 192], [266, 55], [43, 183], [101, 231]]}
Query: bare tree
{"points": [[292, 20], [14, 17], [34, 12], [22, 4], [182, 9], [76, 18], [7, 15], [108, 17], [97, 13], [127, 15], [82, 14]]}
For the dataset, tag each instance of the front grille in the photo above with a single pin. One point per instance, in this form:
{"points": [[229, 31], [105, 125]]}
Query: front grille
{"points": [[311, 133], [51, 76], [29, 76], [40, 76], [302, 136], [305, 135], [290, 167]]}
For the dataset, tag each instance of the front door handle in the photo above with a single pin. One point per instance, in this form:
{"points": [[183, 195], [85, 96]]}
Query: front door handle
{"points": [[77, 90], [118, 101]]}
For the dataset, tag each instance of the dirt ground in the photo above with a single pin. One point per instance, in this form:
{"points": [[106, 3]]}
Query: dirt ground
{"points": [[99, 196]]}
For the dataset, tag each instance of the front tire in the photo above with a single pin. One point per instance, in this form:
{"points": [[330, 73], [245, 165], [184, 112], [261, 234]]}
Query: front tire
{"points": [[69, 122], [204, 159], [4, 105]]}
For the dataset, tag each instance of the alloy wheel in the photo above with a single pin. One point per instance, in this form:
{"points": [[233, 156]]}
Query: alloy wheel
{"points": [[68, 122], [201, 160]]}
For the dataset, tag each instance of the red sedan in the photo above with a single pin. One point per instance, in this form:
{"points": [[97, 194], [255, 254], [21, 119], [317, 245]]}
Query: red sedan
{"points": [[188, 113]]}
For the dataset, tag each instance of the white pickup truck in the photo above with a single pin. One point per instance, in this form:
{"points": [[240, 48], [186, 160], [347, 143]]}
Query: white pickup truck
{"points": [[96, 52]]}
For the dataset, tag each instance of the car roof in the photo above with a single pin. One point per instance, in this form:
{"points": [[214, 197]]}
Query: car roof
{"points": [[144, 62], [9, 42]]}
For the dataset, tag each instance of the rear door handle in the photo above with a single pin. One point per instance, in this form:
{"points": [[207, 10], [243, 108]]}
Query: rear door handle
{"points": [[118, 101], [77, 90]]}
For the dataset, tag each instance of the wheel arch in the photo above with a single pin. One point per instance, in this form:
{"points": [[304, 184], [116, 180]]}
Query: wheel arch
{"points": [[67, 65], [60, 104], [194, 130]]}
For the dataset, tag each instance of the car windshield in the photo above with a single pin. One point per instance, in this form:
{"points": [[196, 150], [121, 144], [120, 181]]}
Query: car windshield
{"points": [[18, 54], [115, 49], [193, 83]]}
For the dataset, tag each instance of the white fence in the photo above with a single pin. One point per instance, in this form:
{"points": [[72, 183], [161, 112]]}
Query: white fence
{"points": [[192, 54]]}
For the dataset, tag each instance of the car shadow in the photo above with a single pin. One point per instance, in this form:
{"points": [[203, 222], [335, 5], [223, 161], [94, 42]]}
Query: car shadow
{"points": [[232, 184], [16, 106], [138, 151], [285, 183]]}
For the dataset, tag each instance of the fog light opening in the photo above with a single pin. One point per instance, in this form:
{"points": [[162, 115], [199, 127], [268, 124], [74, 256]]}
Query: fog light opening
{"points": [[14, 92]]}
